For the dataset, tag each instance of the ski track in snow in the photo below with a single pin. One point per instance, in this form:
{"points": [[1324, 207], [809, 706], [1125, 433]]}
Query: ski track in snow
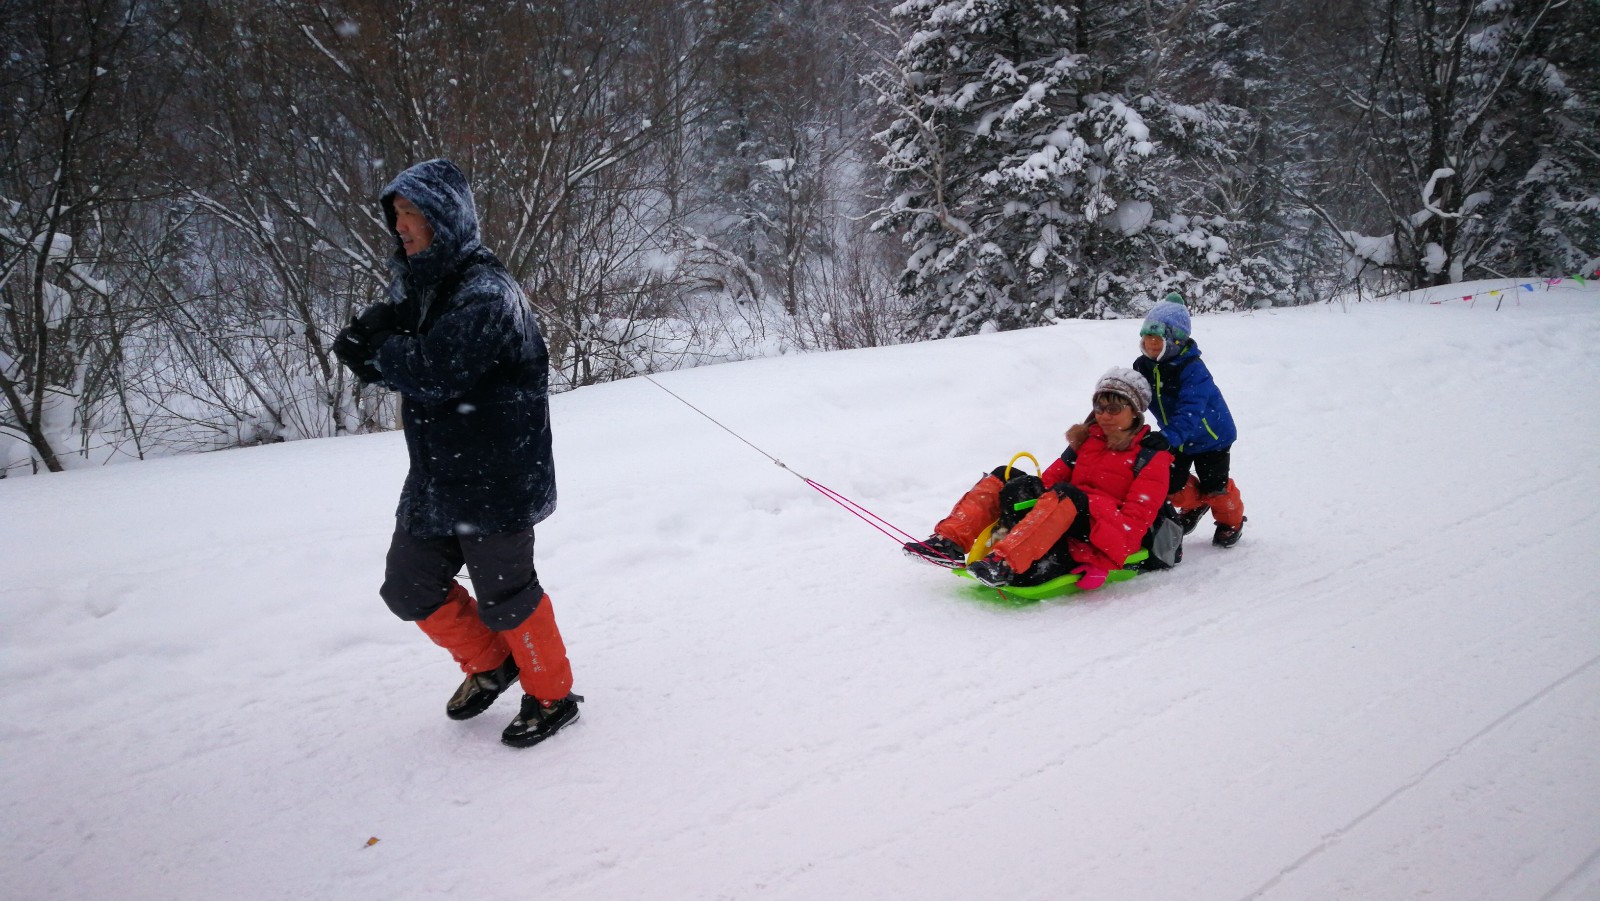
{"points": [[1449, 757], [1388, 690]]}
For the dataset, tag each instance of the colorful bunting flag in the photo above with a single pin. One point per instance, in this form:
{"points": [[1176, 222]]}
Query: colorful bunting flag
{"points": [[1526, 286]]}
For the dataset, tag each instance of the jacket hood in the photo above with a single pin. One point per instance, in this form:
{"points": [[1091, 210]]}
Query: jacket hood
{"points": [[440, 190]]}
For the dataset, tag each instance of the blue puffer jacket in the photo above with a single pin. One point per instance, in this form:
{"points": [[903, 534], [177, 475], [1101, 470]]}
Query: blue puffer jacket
{"points": [[1187, 403], [474, 376]]}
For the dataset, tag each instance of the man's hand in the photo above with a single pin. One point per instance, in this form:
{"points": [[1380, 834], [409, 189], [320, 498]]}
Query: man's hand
{"points": [[354, 352], [377, 324]]}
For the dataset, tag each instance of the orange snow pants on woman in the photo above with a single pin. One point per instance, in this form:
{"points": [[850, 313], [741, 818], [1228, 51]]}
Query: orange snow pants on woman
{"points": [[1027, 541], [978, 509]]}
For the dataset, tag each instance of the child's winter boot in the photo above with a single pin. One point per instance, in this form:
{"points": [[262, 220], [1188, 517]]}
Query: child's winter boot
{"points": [[1227, 509], [1190, 518], [539, 720], [1228, 536], [1191, 508], [480, 690], [546, 677], [481, 653]]}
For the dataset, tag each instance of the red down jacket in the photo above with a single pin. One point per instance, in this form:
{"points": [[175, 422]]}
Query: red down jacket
{"points": [[1122, 506]]}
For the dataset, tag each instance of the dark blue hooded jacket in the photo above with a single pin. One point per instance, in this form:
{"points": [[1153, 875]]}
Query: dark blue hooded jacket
{"points": [[473, 373], [1186, 402]]}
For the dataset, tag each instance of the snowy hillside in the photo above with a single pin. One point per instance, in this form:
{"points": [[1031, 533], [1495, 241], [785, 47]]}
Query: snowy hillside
{"points": [[1389, 690]]}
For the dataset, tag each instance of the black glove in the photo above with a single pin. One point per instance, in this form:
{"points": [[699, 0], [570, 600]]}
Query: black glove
{"points": [[1074, 495], [1070, 492], [353, 351], [380, 317], [378, 323], [1155, 441]]}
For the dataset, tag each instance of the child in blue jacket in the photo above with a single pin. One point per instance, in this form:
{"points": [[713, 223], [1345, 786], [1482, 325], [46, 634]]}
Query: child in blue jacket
{"points": [[1194, 419]]}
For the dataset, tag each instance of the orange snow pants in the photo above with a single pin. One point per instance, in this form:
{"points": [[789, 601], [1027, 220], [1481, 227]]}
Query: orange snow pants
{"points": [[1037, 533], [541, 654], [455, 626], [977, 509], [535, 643], [1227, 508], [1027, 541]]}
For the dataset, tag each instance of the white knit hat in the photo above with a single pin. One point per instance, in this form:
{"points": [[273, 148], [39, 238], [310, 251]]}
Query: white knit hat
{"points": [[1128, 383]]}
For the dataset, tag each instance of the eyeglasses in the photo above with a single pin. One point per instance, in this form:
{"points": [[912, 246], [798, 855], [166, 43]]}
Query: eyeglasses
{"points": [[1110, 409]]}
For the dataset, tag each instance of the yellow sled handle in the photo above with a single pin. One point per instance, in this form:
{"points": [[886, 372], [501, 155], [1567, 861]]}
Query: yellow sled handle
{"points": [[981, 547], [1036, 470]]}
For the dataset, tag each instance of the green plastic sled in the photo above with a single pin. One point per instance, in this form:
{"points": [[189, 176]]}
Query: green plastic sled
{"points": [[1057, 587]]}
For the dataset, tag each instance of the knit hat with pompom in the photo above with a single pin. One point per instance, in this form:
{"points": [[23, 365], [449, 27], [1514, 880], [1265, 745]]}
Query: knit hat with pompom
{"points": [[1168, 319]]}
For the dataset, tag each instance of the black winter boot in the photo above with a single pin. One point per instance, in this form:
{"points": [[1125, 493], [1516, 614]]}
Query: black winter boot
{"points": [[1228, 536], [1189, 519], [938, 550], [539, 720], [479, 690], [993, 572]]}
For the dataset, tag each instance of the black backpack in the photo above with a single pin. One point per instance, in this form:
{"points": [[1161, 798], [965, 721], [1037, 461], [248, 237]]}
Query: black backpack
{"points": [[1164, 541]]}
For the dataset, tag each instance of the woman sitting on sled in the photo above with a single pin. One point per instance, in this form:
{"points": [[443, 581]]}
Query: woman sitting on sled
{"points": [[1091, 508]]}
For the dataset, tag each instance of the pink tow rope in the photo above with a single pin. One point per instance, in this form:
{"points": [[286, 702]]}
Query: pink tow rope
{"points": [[899, 535], [867, 516], [889, 529]]}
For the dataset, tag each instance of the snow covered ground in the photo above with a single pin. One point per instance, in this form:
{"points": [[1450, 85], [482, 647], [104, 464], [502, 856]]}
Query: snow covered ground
{"points": [[1389, 690]]}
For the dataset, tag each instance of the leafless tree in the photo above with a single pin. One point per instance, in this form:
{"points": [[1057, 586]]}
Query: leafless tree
{"points": [[81, 153], [1422, 123]]}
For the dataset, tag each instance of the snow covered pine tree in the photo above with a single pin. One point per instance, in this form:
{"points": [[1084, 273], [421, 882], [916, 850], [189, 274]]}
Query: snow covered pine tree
{"points": [[1025, 171]]}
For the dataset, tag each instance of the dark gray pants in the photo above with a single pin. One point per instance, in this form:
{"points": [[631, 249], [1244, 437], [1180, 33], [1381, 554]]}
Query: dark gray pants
{"points": [[1210, 468], [418, 572]]}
